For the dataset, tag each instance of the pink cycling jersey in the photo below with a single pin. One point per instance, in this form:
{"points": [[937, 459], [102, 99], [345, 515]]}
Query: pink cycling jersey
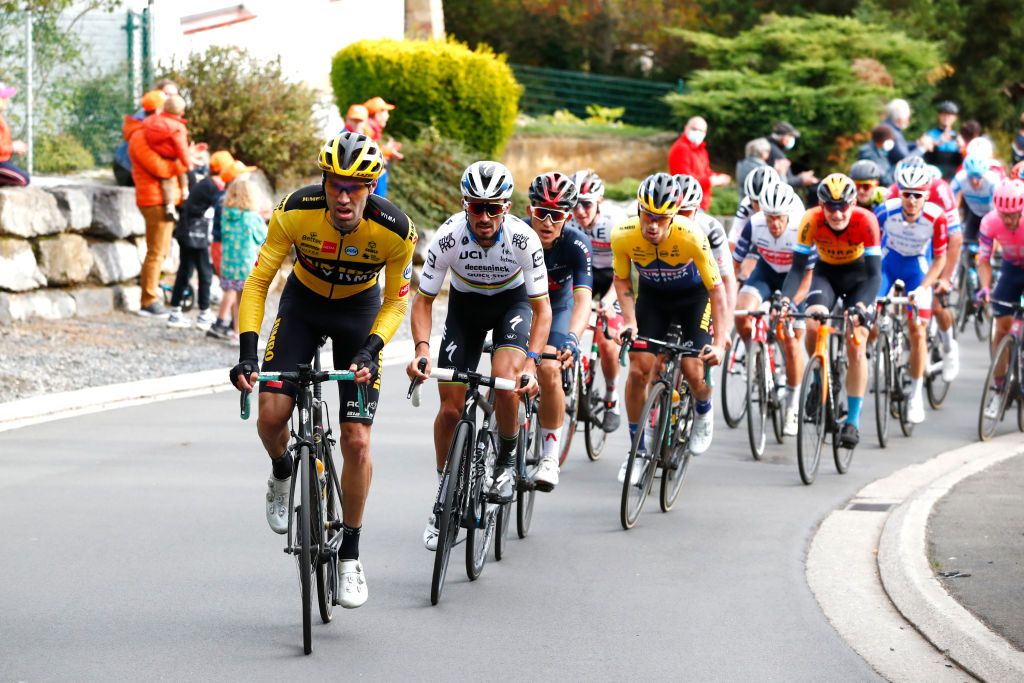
{"points": [[1011, 241]]}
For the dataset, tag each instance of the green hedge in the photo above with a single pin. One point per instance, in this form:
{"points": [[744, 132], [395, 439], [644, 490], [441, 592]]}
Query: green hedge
{"points": [[60, 153], [467, 95]]}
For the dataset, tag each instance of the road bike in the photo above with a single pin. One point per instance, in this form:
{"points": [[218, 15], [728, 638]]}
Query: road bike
{"points": [[766, 381], [936, 387], [1003, 380], [669, 412], [734, 381], [314, 524], [890, 365], [966, 290], [591, 401]]}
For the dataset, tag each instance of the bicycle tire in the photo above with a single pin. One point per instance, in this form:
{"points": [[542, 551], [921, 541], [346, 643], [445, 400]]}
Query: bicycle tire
{"points": [[734, 374], [811, 413], [525, 493], [981, 323], [678, 461], [480, 515], [757, 400], [572, 411], [594, 435], [935, 386], [449, 520], [987, 427], [841, 455], [776, 402], [881, 383], [305, 550], [634, 495], [903, 406], [327, 569]]}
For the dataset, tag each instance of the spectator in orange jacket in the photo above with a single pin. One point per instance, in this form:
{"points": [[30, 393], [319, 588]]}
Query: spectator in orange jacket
{"points": [[122, 165], [689, 155], [10, 175], [380, 112], [148, 169], [167, 135]]}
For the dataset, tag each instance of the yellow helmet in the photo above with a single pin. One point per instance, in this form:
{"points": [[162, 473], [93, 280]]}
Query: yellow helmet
{"points": [[660, 194], [352, 155], [837, 189]]}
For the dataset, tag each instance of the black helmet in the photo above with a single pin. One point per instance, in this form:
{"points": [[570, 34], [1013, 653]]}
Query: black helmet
{"points": [[865, 169], [948, 107]]}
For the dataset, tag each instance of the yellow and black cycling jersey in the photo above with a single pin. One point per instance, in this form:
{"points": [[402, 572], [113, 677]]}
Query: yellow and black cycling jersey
{"points": [[681, 261], [331, 264]]}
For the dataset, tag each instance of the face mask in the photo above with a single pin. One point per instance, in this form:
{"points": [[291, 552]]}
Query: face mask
{"points": [[888, 145], [695, 136], [791, 143]]}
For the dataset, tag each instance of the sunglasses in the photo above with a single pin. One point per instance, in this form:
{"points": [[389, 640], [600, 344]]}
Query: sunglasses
{"points": [[480, 208], [867, 186], [542, 213], [339, 186], [657, 217], [912, 195], [836, 207], [586, 204]]}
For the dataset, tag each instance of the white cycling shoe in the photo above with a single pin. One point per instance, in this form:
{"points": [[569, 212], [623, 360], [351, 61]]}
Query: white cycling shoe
{"points": [[277, 504], [703, 430], [951, 362], [638, 469], [353, 584], [915, 409], [791, 426], [430, 534], [546, 478]]}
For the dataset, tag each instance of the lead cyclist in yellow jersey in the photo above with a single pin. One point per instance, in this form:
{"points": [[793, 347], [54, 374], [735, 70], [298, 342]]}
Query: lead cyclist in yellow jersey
{"points": [[343, 237]]}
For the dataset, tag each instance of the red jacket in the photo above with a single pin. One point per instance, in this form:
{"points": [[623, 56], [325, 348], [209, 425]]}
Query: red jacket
{"points": [[5, 140], [167, 135], [148, 168], [685, 157]]}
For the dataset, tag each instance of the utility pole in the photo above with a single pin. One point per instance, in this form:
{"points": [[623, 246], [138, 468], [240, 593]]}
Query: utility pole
{"points": [[28, 84]]}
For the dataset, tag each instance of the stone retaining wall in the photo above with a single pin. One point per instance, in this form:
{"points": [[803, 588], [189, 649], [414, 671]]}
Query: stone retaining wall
{"points": [[67, 251]]}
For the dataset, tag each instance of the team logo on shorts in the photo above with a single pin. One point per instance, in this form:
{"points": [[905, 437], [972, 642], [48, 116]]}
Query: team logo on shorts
{"points": [[351, 251]]}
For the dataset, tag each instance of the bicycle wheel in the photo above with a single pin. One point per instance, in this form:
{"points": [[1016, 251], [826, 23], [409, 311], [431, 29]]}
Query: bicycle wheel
{"points": [[881, 382], [593, 429], [757, 399], [525, 492], [678, 461], [776, 400], [450, 499], [841, 455], [734, 382], [572, 405], [644, 461], [936, 387], [330, 521], [480, 515], [305, 548], [981, 323], [811, 412], [996, 396]]}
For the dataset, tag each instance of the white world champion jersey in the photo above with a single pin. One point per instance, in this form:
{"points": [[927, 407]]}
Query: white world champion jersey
{"points": [[515, 259], [911, 238]]}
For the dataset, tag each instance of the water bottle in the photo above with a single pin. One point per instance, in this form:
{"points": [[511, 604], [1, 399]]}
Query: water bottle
{"points": [[322, 476], [675, 405]]}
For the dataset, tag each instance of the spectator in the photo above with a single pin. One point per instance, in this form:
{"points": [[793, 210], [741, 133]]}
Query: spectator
{"points": [[897, 117], [689, 156], [193, 235], [220, 161], [1018, 143], [380, 112], [783, 138], [167, 135], [122, 163], [244, 230], [943, 145], [355, 119], [882, 142], [148, 169], [10, 175], [757, 152]]}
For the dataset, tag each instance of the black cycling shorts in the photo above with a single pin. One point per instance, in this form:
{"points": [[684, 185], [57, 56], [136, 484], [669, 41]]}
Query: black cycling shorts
{"points": [[656, 311], [602, 282], [849, 281], [971, 226], [472, 316], [303, 317]]}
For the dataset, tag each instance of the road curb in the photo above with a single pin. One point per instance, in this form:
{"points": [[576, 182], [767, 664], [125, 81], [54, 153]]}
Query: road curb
{"points": [[868, 568], [49, 407], [911, 584]]}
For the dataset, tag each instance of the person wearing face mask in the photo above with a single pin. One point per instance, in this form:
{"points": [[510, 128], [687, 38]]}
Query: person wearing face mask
{"points": [[689, 156], [783, 138], [877, 150]]}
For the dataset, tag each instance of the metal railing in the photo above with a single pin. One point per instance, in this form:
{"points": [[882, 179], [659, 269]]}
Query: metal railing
{"points": [[548, 90]]}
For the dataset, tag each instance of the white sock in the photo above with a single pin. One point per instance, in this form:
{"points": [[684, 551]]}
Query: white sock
{"points": [[792, 396], [915, 387], [947, 338], [549, 437], [609, 391]]}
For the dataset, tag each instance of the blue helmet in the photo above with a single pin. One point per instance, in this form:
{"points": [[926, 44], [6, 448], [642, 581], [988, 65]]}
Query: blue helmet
{"points": [[975, 165]]}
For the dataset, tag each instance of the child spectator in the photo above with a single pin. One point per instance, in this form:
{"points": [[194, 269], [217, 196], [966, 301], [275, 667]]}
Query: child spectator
{"points": [[243, 231], [193, 235], [167, 135], [379, 112], [10, 175]]}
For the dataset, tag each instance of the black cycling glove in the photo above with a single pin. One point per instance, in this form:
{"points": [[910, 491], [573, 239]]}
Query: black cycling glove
{"points": [[367, 356], [248, 356]]}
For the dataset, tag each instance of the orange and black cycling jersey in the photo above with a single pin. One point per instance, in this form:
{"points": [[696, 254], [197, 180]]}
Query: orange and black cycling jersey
{"points": [[331, 264], [860, 238]]}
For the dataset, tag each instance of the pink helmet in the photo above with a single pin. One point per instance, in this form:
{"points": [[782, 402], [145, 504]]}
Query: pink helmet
{"points": [[1009, 196]]}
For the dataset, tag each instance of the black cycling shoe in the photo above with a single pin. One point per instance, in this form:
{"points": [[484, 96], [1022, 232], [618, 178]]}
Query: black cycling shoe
{"points": [[504, 487], [849, 437], [611, 420]]}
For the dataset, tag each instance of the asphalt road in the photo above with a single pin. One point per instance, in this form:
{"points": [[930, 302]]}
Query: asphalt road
{"points": [[135, 546]]}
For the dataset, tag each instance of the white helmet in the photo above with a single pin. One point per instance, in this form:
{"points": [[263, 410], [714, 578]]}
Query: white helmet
{"points": [[777, 199], [487, 181], [589, 185], [693, 193], [914, 177], [758, 178], [980, 147]]}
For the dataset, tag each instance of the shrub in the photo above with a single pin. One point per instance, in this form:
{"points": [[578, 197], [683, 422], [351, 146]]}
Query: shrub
{"points": [[60, 153], [828, 76], [97, 110], [248, 107], [467, 95]]}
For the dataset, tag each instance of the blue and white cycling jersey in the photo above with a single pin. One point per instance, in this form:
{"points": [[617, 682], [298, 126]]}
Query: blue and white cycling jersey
{"points": [[978, 199], [908, 247]]}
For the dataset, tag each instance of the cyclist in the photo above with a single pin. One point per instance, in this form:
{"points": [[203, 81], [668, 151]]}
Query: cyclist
{"points": [[693, 195], [866, 175], [752, 186], [596, 220], [846, 239], [1003, 225], [772, 234], [570, 279], [343, 237], [498, 285], [679, 283], [973, 187], [914, 251]]}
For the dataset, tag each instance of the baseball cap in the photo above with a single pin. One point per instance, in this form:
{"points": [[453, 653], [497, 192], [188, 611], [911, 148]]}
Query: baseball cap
{"points": [[785, 128], [234, 170], [153, 100], [357, 112], [376, 104], [220, 160], [7, 90], [948, 107]]}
